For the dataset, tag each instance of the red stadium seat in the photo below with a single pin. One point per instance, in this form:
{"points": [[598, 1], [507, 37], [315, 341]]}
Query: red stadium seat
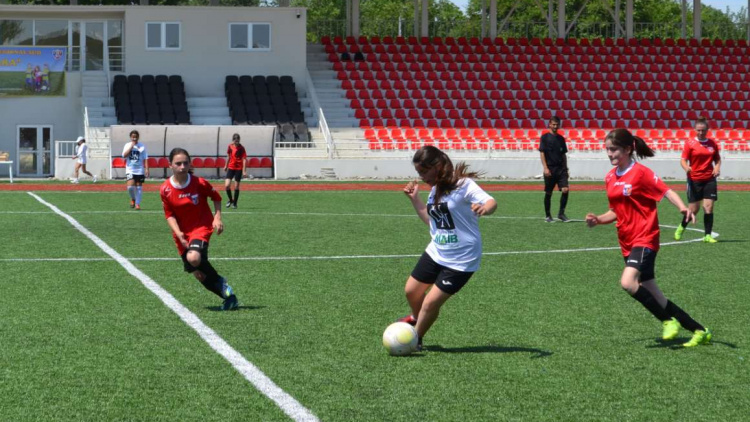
{"points": [[253, 162], [266, 162], [118, 163]]}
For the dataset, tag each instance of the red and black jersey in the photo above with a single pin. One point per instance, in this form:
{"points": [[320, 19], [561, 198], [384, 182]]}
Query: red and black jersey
{"points": [[701, 156], [236, 155], [188, 205], [633, 196]]}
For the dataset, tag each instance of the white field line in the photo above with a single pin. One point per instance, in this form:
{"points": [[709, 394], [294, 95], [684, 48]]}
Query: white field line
{"points": [[339, 257], [255, 376]]}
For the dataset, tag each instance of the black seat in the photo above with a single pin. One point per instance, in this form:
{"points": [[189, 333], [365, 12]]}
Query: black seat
{"points": [[286, 81], [301, 132], [259, 80], [153, 118], [134, 79], [168, 118], [272, 80], [148, 79], [182, 118], [288, 90], [120, 79], [286, 130], [139, 117], [161, 80], [175, 79]]}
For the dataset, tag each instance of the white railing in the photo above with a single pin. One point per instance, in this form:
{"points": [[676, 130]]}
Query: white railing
{"points": [[322, 122]]}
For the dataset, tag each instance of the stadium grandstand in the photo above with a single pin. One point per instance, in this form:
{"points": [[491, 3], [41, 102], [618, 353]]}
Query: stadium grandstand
{"points": [[356, 105]]}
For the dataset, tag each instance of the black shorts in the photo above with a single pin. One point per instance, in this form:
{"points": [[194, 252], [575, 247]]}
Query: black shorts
{"points": [[429, 272], [137, 178], [234, 174], [697, 191], [195, 245], [558, 176], [643, 260]]}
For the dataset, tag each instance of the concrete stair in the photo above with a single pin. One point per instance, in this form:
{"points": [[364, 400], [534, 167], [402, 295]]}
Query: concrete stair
{"points": [[330, 95], [95, 97], [208, 111]]}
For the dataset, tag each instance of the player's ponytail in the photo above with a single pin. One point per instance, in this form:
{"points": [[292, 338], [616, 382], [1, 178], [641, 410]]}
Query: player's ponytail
{"points": [[624, 139], [447, 176]]}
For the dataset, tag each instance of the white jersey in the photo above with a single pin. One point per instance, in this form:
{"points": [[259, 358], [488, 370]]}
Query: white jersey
{"points": [[135, 162], [454, 228], [81, 153]]}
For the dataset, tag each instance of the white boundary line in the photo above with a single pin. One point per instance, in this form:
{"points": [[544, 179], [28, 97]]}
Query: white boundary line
{"points": [[255, 376]]}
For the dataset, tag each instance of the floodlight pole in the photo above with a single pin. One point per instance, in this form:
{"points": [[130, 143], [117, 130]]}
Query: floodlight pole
{"points": [[425, 18], [561, 16], [697, 19], [683, 32], [355, 18], [416, 18], [629, 19], [493, 18]]}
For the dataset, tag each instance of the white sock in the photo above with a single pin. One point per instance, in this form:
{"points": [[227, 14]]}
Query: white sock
{"points": [[131, 192], [138, 194]]}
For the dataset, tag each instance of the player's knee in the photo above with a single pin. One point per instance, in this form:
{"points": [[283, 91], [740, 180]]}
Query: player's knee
{"points": [[708, 209], [564, 190], [193, 258], [629, 285], [199, 276]]}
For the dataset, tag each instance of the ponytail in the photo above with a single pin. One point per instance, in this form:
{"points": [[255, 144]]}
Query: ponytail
{"points": [[624, 139]]}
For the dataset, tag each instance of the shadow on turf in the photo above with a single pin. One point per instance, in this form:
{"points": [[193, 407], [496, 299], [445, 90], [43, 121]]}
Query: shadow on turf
{"points": [[538, 353], [239, 308], [676, 344]]}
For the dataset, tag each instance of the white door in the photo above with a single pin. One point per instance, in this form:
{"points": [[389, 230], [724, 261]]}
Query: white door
{"points": [[87, 41], [34, 151]]}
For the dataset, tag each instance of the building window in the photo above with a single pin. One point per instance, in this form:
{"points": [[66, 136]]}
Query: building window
{"points": [[163, 36], [16, 32], [250, 36]]}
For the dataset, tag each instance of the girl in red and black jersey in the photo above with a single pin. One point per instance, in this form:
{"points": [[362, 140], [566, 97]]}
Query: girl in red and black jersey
{"points": [[702, 164], [236, 167], [185, 200], [633, 191]]}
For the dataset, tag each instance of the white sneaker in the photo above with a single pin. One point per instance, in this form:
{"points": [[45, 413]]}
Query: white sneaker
{"points": [[94, 179], [74, 181]]}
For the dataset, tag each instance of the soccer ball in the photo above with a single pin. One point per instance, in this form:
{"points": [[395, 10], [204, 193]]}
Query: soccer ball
{"points": [[400, 339]]}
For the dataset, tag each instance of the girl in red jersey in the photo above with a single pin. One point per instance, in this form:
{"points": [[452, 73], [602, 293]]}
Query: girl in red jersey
{"points": [[185, 200], [236, 167], [633, 191], [702, 163]]}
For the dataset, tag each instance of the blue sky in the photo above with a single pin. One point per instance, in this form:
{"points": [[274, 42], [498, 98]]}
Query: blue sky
{"points": [[734, 5]]}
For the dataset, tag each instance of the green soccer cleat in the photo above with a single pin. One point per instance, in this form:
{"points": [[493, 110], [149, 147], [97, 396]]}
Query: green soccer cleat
{"points": [[230, 304], [709, 239], [699, 337], [678, 233], [671, 329]]}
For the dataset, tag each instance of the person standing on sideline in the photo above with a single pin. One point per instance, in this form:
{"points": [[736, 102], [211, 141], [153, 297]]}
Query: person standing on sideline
{"points": [[552, 150], [702, 163], [81, 156], [453, 208], [136, 168], [633, 191], [185, 200], [236, 167]]}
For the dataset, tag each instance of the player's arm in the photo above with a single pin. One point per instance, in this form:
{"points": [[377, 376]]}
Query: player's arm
{"points": [[487, 208], [544, 164], [608, 217], [128, 147], [244, 165], [412, 191], [172, 222], [685, 165], [717, 166], [217, 224], [675, 199], [145, 164]]}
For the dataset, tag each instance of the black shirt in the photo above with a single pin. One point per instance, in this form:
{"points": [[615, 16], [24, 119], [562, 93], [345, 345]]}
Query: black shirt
{"points": [[554, 149]]}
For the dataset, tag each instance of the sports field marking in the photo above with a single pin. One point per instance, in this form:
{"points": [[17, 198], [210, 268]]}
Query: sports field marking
{"points": [[255, 376], [335, 257]]}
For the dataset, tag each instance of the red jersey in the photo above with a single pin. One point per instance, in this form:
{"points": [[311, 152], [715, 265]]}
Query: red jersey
{"points": [[633, 196], [189, 206], [237, 155], [701, 156]]}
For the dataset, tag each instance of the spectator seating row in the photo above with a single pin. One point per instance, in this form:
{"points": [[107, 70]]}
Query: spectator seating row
{"points": [[199, 162], [559, 42], [528, 140], [267, 100], [149, 99], [469, 90]]}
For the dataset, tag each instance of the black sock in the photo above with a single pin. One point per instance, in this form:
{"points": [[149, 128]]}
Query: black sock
{"points": [[684, 223], [685, 320], [547, 203], [563, 202], [229, 194], [649, 302], [212, 280], [236, 195], [708, 222]]}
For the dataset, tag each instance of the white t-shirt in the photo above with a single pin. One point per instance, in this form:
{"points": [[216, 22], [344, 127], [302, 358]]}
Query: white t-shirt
{"points": [[454, 228], [135, 162], [81, 152]]}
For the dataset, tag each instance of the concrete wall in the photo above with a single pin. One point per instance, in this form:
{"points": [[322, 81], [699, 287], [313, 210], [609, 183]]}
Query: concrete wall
{"points": [[586, 168]]}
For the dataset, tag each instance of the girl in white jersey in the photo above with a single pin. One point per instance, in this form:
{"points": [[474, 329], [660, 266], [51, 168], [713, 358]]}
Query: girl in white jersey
{"points": [[452, 211], [81, 157], [136, 168]]}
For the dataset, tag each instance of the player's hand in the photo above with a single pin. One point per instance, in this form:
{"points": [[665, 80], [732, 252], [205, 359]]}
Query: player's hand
{"points": [[479, 209], [689, 216], [181, 239], [591, 219], [226, 169], [547, 173], [218, 225], [716, 172], [689, 169], [148, 173], [412, 189]]}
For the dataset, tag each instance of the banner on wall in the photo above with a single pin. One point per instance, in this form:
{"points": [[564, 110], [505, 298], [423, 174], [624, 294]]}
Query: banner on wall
{"points": [[32, 71]]}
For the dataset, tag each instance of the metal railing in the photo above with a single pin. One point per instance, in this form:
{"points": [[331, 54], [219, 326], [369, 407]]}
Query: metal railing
{"points": [[322, 122]]}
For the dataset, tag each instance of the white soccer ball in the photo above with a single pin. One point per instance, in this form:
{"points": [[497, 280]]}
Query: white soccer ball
{"points": [[400, 339]]}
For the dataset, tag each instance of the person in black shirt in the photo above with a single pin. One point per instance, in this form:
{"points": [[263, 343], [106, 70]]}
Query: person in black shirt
{"points": [[552, 150]]}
